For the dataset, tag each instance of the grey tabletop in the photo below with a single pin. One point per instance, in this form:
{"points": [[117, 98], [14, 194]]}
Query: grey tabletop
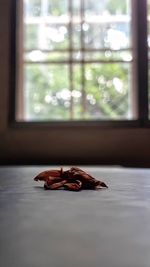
{"points": [[106, 228]]}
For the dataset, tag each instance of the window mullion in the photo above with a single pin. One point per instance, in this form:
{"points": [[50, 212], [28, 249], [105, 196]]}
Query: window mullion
{"points": [[82, 7], [70, 9]]}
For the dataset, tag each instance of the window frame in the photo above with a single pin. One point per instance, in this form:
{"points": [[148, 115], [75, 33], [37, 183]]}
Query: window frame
{"points": [[140, 86]]}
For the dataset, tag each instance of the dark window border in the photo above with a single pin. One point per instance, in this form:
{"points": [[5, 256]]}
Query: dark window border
{"points": [[140, 83]]}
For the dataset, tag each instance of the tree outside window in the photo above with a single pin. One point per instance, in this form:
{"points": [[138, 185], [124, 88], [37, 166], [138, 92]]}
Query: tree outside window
{"points": [[77, 60]]}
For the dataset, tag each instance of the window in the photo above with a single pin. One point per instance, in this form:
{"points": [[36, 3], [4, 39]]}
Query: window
{"points": [[75, 60], [29, 137]]}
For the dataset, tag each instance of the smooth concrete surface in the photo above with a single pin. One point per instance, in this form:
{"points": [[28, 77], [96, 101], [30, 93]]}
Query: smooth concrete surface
{"points": [[104, 228]]}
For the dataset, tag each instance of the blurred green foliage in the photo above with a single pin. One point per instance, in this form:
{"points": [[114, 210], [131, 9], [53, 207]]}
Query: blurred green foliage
{"points": [[66, 91]]}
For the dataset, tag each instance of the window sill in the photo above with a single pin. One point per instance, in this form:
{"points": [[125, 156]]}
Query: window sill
{"points": [[80, 124]]}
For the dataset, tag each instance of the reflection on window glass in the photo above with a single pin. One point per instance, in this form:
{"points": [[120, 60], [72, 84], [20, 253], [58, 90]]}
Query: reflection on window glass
{"points": [[77, 60]]}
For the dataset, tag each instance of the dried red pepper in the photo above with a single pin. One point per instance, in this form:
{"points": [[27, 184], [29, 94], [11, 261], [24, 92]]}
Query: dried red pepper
{"points": [[73, 179]]}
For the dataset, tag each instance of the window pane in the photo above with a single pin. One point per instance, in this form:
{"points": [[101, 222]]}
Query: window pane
{"points": [[56, 7], [39, 8], [107, 24], [45, 36], [76, 35], [108, 97], [46, 92], [106, 7], [76, 60], [45, 24], [106, 35]]}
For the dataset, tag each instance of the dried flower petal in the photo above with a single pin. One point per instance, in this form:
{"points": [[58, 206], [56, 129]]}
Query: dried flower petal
{"points": [[73, 179]]}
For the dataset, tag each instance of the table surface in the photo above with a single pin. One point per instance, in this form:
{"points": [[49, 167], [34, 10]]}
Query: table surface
{"points": [[101, 228]]}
